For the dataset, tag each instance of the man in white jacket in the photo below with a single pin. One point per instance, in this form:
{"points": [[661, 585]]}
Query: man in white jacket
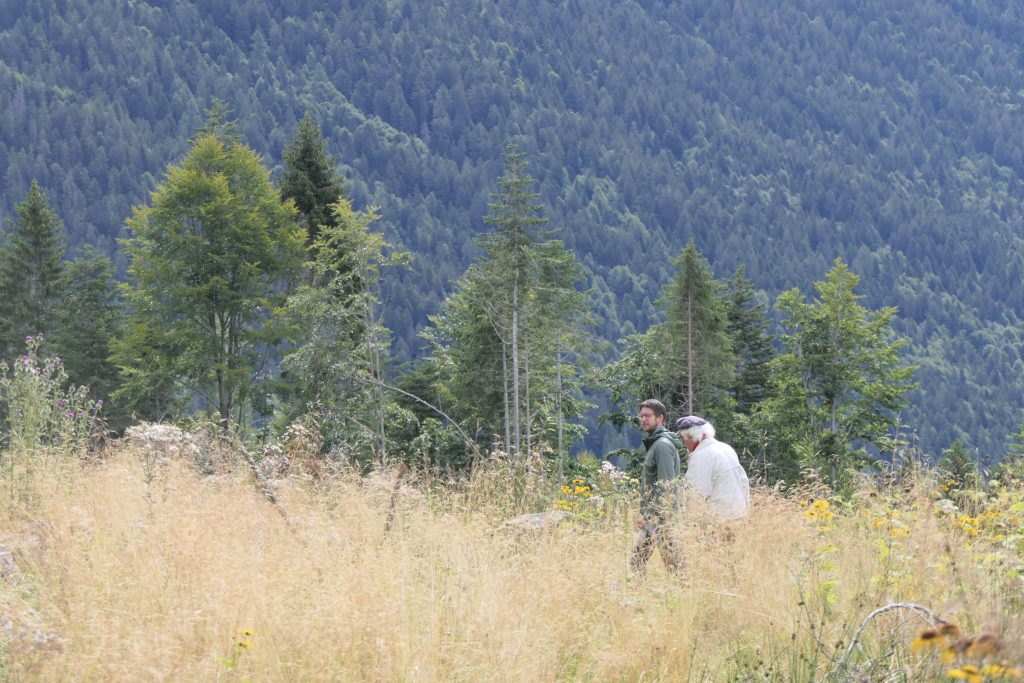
{"points": [[714, 470]]}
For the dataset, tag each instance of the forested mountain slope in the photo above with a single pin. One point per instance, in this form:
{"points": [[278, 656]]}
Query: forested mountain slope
{"points": [[775, 135]]}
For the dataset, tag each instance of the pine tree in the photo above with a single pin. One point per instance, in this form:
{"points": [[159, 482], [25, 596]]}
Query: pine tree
{"points": [[30, 267]]}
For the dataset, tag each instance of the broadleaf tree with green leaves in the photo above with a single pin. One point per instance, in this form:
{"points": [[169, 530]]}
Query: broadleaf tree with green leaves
{"points": [[208, 256]]}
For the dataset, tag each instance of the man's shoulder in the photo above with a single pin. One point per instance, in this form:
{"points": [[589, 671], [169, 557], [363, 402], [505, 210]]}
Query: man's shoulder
{"points": [[664, 438], [721, 449]]}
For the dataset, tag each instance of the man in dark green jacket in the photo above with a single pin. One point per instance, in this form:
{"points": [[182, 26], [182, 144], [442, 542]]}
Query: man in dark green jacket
{"points": [[657, 490]]}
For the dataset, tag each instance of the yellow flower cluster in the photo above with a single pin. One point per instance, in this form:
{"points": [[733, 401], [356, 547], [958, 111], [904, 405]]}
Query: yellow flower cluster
{"points": [[988, 672], [947, 640], [244, 641], [578, 488], [820, 512], [575, 496], [890, 519], [969, 525]]}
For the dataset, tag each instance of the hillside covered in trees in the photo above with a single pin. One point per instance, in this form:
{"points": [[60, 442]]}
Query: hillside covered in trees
{"points": [[774, 137]]}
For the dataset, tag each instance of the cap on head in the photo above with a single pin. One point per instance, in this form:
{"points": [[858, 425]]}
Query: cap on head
{"points": [[688, 421]]}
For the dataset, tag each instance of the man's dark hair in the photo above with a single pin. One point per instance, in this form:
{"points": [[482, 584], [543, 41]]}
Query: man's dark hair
{"points": [[656, 406]]}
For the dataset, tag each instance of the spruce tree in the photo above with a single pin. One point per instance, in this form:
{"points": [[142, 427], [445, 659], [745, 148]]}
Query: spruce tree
{"points": [[310, 179], [334, 374], [752, 344], [840, 381], [700, 363], [503, 345], [959, 470], [87, 317], [30, 267], [517, 217]]}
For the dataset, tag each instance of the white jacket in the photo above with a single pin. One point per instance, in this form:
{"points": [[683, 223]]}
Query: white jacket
{"points": [[716, 473]]}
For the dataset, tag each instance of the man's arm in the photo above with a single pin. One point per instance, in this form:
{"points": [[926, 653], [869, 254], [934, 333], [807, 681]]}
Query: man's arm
{"points": [[665, 455]]}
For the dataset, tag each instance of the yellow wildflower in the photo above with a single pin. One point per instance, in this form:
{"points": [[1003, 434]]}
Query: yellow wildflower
{"points": [[983, 645], [967, 672], [929, 638], [993, 670]]}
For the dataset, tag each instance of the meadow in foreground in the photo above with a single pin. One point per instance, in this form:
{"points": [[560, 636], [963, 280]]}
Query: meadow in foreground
{"points": [[139, 566]]}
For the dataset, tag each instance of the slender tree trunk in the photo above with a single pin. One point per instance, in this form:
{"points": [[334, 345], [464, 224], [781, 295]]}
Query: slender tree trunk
{"points": [[690, 409], [505, 397], [834, 441], [516, 417], [528, 418], [558, 406], [375, 372], [219, 328]]}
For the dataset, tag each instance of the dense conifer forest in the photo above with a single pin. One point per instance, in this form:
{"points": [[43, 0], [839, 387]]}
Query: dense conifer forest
{"points": [[774, 137]]}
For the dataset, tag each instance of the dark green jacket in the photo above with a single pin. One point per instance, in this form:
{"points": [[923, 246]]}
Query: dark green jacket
{"points": [[661, 467]]}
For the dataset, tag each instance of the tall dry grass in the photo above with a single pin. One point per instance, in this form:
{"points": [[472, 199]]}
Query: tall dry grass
{"points": [[117, 571]]}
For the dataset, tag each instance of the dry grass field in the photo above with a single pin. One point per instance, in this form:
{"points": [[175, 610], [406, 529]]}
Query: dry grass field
{"points": [[135, 568]]}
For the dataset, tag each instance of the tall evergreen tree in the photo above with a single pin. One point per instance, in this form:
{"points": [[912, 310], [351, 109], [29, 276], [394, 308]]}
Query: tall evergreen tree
{"points": [[840, 380], [87, 317], [564, 315], [466, 366], [753, 345], [701, 364], [208, 257], [334, 374], [30, 267], [310, 179], [499, 348], [753, 348], [517, 217]]}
